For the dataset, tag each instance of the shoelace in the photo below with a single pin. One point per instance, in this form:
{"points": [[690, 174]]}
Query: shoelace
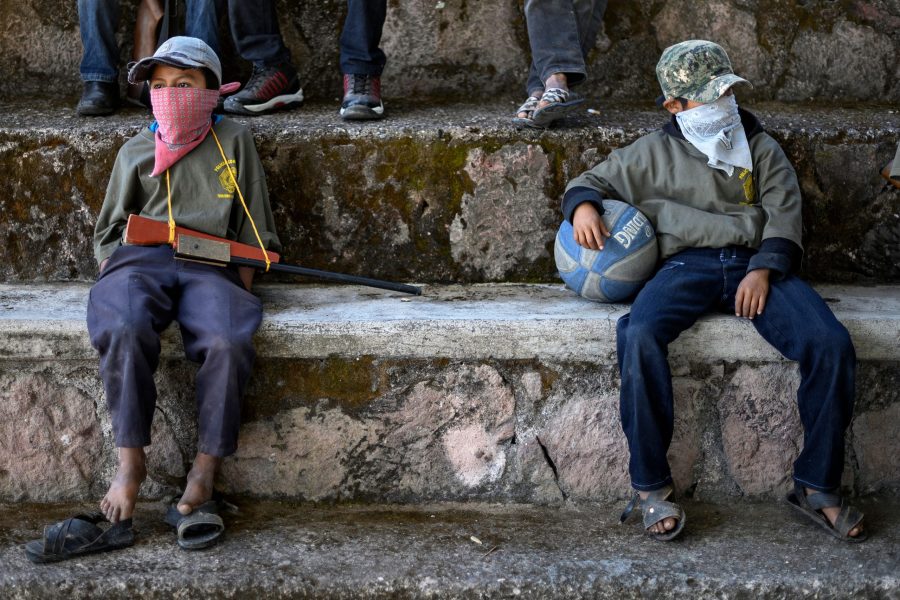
{"points": [[361, 84]]}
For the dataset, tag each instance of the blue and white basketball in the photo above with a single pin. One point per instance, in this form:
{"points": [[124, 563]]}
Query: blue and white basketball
{"points": [[626, 262]]}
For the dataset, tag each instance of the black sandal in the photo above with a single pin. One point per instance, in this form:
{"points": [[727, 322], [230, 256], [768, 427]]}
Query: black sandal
{"points": [[656, 508], [811, 505], [201, 528], [79, 535]]}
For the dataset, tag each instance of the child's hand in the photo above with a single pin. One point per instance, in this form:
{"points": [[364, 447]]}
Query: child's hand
{"points": [[751, 294], [246, 275], [589, 228]]}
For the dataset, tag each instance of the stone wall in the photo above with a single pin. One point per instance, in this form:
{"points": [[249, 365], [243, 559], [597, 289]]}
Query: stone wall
{"points": [[449, 195], [823, 50], [383, 430]]}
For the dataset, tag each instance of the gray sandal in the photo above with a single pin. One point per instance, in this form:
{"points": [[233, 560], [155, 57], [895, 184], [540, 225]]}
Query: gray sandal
{"points": [[562, 102], [811, 507], [527, 107], [656, 508]]}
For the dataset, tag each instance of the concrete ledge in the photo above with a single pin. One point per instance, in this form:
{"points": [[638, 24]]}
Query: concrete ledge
{"points": [[746, 551], [478, 322], [488, 392], [437, 194]]}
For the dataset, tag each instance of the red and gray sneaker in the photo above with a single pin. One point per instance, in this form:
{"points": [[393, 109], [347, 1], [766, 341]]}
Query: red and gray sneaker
{"points": [[362, 98], [269, 89]]}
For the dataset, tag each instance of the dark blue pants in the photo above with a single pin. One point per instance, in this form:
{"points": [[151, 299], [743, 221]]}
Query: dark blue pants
{"points": [[561, 33], [796, 321], [140, 292], [360, 54]]}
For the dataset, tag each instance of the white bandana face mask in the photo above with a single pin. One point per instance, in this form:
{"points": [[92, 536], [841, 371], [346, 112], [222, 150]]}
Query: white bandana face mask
{"points": [[715, 129]]}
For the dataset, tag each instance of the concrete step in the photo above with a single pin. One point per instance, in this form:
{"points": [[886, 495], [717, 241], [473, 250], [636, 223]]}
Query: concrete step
{"points": [[450, 193], [741, 551], [500, 393], [791, 51]]}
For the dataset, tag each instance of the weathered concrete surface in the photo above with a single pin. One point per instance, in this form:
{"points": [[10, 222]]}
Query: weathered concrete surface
{"points": [[451, 194], [498, 393], [793, 51], [740, 551]]}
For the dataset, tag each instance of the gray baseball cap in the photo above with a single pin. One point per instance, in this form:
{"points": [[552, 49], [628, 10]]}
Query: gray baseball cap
{"points": [[180, 51], [696, 70]]}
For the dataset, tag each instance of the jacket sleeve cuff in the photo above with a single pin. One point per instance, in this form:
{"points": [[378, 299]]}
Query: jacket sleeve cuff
{"points": [[577, 195], [106, 251], [778, 254]]}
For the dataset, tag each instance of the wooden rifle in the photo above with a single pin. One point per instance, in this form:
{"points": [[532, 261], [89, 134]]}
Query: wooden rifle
{"points": [[210, 249]]}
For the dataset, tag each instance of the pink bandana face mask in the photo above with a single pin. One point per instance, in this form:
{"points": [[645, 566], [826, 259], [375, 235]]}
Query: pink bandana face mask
{"points": [[184, 116]]}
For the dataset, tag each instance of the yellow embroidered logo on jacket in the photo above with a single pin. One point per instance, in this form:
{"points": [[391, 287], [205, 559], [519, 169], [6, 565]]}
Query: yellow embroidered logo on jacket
{"points": [[225, 179], [749, 189]]}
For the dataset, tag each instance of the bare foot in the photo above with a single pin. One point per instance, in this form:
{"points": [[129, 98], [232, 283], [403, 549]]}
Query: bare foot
{"points": [[557, 80], [199, 487], [832, 512], [118, 503], [664, 526]]}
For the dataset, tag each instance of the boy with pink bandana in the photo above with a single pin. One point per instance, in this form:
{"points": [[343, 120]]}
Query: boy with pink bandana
{"points": [[188, 168]]}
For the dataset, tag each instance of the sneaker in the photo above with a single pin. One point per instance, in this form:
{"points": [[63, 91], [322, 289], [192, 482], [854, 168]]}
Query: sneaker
{"points": [[362, 98], [269, 89]]}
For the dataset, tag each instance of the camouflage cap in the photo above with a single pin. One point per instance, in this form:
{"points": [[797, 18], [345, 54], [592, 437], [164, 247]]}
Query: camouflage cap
{"points": [[696, 70]]}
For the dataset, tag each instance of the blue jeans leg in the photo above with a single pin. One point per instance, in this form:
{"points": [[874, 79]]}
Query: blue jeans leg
{"points": [[257, 37], [561, 33], [361, 36], [798, 323], [686, 286], [202, 21], [98, 21]]}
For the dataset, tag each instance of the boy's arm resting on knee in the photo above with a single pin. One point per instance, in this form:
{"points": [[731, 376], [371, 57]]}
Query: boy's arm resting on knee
{"points": [[781, 201]]}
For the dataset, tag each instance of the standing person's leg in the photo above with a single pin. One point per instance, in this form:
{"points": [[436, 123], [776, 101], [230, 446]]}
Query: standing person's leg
{"points": [[98, 21], [273, 84], [555, 29], [218, 319], [362, 60], [201, 21], [798, 323], [129, 306], [686, 286]]}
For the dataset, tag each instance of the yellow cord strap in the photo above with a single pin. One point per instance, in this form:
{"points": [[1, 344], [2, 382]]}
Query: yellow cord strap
{"points": [[241, 196], [171, 219]]}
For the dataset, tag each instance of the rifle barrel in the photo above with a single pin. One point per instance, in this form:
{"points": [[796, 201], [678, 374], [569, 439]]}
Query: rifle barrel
{"points": [[329, 275]]}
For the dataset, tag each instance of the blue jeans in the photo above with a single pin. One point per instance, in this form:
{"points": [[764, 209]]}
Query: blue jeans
{"points": [[257, 37], [360, 37], [796, 321], [99, 20], [561, 33]]}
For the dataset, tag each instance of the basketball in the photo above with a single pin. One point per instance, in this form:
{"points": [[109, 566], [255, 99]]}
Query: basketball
{"points": [[626, 262]]}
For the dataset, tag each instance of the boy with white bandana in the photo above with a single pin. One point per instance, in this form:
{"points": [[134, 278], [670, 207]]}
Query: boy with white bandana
{"points": [[725, 203], [188, 168]]}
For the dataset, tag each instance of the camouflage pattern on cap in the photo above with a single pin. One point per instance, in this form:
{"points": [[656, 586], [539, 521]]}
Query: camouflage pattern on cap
{"points": [[696, 70]]}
